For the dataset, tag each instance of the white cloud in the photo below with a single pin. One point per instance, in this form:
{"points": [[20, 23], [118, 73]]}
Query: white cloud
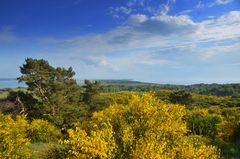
{"points": [[213, 51], [116, 63], [230, 18], [118, 11], [137, 18], [219, 2], [126, 62], [210, 17], [185, 12], [166, 7], [131, 3], [212, 4], [200, 5], [123, 47], [151, 7], [98, 61], [224, 27], [149, 40], [163, 24]]}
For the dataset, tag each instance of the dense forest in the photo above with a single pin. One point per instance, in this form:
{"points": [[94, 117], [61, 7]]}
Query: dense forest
{"points": [[207, 89], [54, 117]]}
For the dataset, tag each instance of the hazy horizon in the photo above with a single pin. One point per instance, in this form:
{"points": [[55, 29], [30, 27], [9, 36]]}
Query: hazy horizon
{"points": [[13, 82]]}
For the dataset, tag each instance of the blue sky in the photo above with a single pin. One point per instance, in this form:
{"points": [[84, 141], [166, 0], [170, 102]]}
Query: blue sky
{"points": [[163, 41]]}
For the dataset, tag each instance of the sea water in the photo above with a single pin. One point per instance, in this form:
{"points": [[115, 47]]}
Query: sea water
{"points": [[11, 83]]}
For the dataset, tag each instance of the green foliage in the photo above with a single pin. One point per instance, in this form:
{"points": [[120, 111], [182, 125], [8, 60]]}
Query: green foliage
{"points": [[180, 97], [205, 101], [120, 125], [119, 98], [200, 122], [143, 128], [55, 88], [164, 94], [3, 94], [92, 89], [91, 96], [207, 89], [229, 129], [98, 103], [229, 150], [192, 100], [53, 151], [25, 102]]}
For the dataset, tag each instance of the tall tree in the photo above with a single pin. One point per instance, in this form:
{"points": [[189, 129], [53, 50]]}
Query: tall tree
{"points": [[54, 87], [181, 97], [91, 95], [92, 89]]}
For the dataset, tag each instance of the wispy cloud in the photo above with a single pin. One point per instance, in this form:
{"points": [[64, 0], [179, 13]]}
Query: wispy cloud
{"points": [[185, 12], [163, 25], [219, 50], [117, 63], [7, 34], [150, 7], [201, 3], [224, 27], [220, 2], [160, 40], [165, 39], [166, 7]]}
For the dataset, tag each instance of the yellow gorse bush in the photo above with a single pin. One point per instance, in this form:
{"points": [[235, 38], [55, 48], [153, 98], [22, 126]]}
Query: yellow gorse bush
{"points": [[17, 134], [42, 131], [144, 128], [100, 143], [13, 141]]}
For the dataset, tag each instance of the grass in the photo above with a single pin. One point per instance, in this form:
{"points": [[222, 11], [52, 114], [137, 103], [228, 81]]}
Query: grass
{"points": [[38, 149], [3, 95], [47, 150], [229, 150], [5, 92]]}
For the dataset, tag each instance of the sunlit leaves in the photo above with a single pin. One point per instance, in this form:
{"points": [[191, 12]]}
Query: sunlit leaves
{"points": [[143, 128], [13, 141]]}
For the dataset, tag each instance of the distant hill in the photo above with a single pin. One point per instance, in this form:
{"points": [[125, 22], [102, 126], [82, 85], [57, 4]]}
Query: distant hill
{"points": [[115, 85], [208, 89], [124, 82]]}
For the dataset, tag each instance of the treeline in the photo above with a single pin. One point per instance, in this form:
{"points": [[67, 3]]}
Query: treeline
{"points": [[56, 118], [207, 89]]}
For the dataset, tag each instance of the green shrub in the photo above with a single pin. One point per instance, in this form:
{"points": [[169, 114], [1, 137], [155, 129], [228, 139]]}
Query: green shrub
{"points": [[54, 151]]}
